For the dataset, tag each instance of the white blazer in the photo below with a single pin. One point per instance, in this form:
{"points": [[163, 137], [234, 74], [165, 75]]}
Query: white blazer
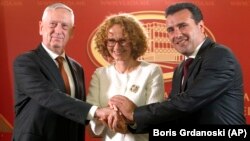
{"points": [[143, 85]]}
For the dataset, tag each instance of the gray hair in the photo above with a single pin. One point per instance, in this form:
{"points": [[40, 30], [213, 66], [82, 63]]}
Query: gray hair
{"points": [[56, 6]]}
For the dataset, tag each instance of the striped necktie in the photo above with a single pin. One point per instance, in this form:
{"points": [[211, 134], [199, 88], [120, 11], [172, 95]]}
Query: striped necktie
{"points": [[64, 75]]}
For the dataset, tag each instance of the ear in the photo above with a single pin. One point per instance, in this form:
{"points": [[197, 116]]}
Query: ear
{"points": [[202, 26], [40, 27], [71, 32]]}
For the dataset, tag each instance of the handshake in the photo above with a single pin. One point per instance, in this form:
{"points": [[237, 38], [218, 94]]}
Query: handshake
{"points": [[118, 114]]}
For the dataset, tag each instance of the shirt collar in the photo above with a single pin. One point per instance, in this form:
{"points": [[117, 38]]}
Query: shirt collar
{"points": [[193, 55], [52, 54]]}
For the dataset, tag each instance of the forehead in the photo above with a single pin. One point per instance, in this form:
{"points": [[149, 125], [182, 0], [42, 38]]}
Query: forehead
{"points": [[115, 31], [181, 16], [59, 14]]}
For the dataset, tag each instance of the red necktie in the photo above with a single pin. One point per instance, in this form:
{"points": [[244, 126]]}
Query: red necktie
{"points": [[60, 60], [185, 71]]}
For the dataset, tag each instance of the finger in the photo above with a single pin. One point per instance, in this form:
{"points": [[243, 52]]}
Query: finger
{"points": [[118, 123], [110, 104], [115, 107], [104, 122], [116, 101], [110, 122], [115, 122], [118, 98]]}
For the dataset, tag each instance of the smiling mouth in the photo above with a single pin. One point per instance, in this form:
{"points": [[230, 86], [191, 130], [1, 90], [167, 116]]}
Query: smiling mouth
{"points": [[180, 42], [117, 53], [58, 38]]}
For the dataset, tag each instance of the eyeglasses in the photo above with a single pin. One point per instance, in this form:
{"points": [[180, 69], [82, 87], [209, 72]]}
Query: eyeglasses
{"points": [[112, 42]]}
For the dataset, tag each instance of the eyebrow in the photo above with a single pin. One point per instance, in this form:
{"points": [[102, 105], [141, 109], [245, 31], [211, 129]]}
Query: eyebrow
{"points": [[115, 39]]}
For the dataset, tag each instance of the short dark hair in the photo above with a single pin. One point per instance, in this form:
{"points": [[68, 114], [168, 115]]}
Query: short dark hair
{"points": [[195, 10]]}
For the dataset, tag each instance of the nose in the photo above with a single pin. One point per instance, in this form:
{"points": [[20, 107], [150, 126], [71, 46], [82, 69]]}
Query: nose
{"points": [[117, 47], [177, 32], [58, 28], [117, 44]]}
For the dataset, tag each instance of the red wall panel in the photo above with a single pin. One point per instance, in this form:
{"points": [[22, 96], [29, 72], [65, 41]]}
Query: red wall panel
{"points": [[228, 21]]}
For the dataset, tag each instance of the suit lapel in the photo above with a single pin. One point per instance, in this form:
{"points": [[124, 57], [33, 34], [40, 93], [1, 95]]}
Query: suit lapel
{"points": [[179, 76], [191, 70], [49, 64], [208, 43], [74, 74]]}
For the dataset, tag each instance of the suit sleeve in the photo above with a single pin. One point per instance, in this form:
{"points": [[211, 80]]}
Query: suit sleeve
{"points": [[33, 82]]}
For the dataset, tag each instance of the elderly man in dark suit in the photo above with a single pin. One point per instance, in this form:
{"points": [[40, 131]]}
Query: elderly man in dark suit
{"points": [[49, 93], [211, 93]]}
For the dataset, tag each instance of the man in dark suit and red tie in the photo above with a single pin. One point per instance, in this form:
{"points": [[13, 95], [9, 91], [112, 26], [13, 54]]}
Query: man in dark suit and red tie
{"points": [[50, 92], [212, 93]]}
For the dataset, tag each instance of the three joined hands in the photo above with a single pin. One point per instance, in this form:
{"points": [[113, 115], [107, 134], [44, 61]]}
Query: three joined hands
{"points": [[118, 114]]}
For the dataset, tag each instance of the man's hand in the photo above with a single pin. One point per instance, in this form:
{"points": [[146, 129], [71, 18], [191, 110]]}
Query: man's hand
{"points": [[124, 105]]}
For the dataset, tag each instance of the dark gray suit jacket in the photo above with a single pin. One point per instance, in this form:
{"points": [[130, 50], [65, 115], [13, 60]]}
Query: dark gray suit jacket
{"points": [[213, 94], [43, 111]]}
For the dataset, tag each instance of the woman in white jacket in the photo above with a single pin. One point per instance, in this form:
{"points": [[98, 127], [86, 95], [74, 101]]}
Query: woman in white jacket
{"points": [[121, 40]]}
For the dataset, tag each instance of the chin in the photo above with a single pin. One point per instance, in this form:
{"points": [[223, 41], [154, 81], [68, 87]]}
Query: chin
{"points": [[119, 59]]}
